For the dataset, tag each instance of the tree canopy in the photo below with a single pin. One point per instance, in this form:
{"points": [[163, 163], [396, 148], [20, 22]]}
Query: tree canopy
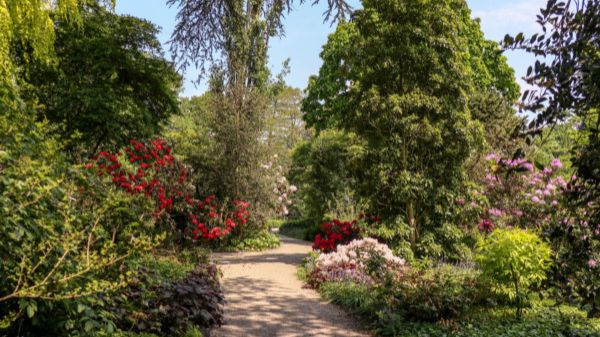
{"points": [[109, 83], [411, 110]]}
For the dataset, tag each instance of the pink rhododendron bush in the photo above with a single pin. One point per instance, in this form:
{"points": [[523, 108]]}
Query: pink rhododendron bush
{"points": [[361, 261], [521, 194]]}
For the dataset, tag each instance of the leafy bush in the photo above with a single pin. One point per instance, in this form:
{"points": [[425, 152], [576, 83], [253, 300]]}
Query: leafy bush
{"points": [[257, 242], [544, 319], [358, 298], [171, 307], [362, 261], [514, 260], [443, 292], [64, 236]]}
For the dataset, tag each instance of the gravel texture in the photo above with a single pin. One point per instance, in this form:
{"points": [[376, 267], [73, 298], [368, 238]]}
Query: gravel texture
{"points": [[265, 298]]}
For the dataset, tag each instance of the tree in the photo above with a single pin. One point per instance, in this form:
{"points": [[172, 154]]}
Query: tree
{"points": [[110, 82], [193, 137], [324, 171], [398, 76], [566, 84], [284, 126], [488, 71], [232, 36], [208, 30]]}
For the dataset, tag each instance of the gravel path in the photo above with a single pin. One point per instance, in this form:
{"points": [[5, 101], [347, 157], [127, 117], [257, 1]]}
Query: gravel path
{"points": [[266, 299]]}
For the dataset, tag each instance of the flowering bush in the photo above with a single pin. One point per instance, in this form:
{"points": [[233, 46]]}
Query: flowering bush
{"points": [[149, 168], [359, 261], [520, 194], [335, 233], [282, 189], [539, 198]]}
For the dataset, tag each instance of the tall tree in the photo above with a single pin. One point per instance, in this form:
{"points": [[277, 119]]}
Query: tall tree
{"points": [[398, 75], [110, 82], [232, 37]]}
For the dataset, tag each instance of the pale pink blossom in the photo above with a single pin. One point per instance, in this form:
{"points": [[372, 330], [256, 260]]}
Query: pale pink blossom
{"points": [[556, 163]]}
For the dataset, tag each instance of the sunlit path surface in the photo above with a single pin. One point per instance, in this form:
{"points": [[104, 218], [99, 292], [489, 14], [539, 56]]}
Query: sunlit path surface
{"points": [[265, 298]]}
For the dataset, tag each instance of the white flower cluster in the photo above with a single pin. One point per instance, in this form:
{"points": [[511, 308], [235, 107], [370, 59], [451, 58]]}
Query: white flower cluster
{"points": [[349, 262], [281, 187]]}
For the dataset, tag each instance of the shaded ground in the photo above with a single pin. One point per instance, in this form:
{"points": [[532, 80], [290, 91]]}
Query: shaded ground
{"points": [[266, 299]]}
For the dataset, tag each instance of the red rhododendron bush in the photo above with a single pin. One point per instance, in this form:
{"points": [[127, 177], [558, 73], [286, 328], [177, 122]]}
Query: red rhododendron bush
{"points": [[149, 168], [335, 233]]}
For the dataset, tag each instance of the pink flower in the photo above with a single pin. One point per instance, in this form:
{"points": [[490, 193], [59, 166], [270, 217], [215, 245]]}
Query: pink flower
{"points": [[535, 199], [492, 156], [460, 201], [591, 263], [556, 163], [495, 212], [528, 166]]}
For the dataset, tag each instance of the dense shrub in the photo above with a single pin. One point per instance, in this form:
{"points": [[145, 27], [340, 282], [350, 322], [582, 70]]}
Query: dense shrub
{"points": [[171, 307], [542, 320], [523, 195], [65, 236], [362, 261], [443, 292], [514, 260], [375, 306]]}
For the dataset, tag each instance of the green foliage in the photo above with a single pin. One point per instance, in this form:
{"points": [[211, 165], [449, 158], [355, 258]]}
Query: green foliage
{"points": [[442, 292], [323, 170], [301, 229], [65, 235], [357, 298], [191, 132], [544, 319], [500, 125], [411, 110], [514, 260], [28, 23], [110, 82], [256, 242]]}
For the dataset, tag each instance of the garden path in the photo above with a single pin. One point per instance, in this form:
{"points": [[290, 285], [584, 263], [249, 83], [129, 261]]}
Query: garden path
{"points": [[265, 298]]}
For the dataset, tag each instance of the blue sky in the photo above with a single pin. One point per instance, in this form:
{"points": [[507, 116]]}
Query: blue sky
{"points": [[306, 33]]}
